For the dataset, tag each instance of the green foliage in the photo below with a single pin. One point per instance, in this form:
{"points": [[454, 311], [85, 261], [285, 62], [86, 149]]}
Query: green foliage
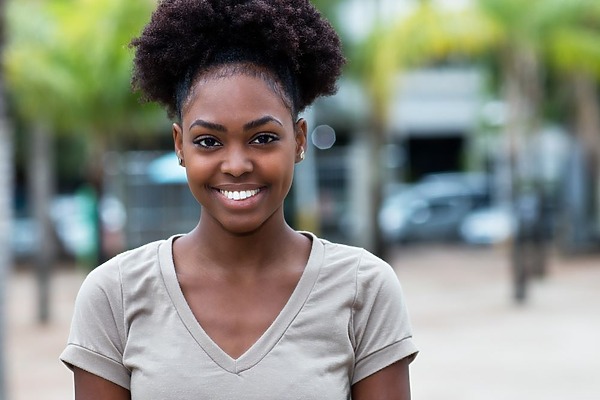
{"points": [[432, 34], [573, 45], [328, 9], [68, 64], [32, 62], [426, 35], [576, 50], [562, 34]]}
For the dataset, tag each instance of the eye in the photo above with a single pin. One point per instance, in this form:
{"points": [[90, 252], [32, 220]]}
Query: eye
{"points": [[207, 142], [264, 138]]}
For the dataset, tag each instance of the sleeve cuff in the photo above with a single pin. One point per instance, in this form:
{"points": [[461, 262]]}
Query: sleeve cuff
{"points": [[97, 364], [383, 358]]}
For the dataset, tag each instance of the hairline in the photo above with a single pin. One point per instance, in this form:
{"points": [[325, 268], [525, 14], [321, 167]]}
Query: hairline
{"points": [[226, 70]]}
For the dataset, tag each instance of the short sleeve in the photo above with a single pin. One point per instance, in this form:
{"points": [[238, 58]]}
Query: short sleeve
{"points": [[97, 338], [380, 322]]}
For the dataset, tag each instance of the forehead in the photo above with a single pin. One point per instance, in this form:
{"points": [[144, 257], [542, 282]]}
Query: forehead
{"points": [[239, 95], [235, 71]]}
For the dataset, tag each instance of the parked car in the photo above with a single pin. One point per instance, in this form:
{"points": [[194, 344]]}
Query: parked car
{"points": [[432, 209], [73, 225], [487, 226], [24, 238]]}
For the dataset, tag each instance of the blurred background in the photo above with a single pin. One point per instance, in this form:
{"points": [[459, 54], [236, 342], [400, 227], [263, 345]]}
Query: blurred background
{"points": [[463, 147]]}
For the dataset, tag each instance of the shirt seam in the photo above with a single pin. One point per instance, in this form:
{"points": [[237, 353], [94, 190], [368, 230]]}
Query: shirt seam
{"points": [[351, 327], [125, 326], [97, 353], [384, 348]]}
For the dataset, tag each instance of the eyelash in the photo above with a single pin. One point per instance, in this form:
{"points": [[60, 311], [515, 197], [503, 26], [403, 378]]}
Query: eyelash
{"points": [[201, 141], [271, 138]]}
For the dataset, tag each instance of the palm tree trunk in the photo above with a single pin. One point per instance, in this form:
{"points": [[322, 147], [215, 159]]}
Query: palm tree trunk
{"points": [[523, 93], [100, 145], [377, 142], [523, 96], [41, 191], [587, 125], [6, 197]]}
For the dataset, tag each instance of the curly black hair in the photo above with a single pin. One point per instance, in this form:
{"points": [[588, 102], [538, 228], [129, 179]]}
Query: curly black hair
{"points": [[288, 39]]}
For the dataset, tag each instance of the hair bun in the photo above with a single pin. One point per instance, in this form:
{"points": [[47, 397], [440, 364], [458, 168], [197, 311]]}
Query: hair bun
{"points": [[190, 33]]}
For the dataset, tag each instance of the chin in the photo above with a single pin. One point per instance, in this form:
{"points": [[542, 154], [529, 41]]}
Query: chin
{"points": [[241, 229], [244, 225]]}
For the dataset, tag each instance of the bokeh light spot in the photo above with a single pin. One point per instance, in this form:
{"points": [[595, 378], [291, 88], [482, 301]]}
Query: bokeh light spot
{"points": [[323, 137]]}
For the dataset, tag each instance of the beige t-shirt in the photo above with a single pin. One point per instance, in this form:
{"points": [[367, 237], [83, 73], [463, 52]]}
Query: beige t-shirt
{"points": [[345, 320]]}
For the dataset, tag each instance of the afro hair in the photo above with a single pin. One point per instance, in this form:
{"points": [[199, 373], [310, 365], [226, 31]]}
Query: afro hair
{"points": [[287, 37]]}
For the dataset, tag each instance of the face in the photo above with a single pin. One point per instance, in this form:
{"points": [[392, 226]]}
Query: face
{"points": [[239, 144]]}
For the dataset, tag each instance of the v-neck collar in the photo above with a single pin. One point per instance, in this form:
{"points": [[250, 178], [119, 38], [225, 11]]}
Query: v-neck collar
{"points": [[267, 341]]}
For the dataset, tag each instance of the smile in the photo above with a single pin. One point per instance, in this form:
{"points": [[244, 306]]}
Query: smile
{"points": [[239, 195]]}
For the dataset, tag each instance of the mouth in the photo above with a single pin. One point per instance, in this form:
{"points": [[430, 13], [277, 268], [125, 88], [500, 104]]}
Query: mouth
{"points": [[239, 195]]}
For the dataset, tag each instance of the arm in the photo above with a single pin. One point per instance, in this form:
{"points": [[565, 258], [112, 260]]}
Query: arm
{"points": [[390, 383], [98, 335], [91, 387]]}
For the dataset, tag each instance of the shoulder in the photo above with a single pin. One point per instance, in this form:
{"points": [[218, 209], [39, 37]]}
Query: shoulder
{"points": [[108, 277], [372, 276], [147, 252], [367, 266], [355, 267]]}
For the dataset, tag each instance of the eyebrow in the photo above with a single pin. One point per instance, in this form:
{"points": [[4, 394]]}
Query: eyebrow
{"points": [[208, 125], [247, 126], [260, 122]]}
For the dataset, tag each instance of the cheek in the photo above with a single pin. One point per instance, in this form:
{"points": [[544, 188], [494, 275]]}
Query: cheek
{"points": [[198, 172], [285, 169], [284, 160], [277, 169]]}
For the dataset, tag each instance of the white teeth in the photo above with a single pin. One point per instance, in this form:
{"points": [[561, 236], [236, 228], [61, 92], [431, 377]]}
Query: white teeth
{"points": [[241, 195]]}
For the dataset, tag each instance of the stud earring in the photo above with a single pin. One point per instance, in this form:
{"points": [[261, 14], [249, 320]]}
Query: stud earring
{"points": [[302, 155], [179, 159]]}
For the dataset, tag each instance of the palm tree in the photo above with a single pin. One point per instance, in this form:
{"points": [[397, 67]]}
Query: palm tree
{"points": [[516, 36], [69, 72], [573, 55], [32, 38], [425, 35], [104, 108], [541, 37]]}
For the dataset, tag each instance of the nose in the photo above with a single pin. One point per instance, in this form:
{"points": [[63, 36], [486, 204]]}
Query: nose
{"points": [[237, 162]]}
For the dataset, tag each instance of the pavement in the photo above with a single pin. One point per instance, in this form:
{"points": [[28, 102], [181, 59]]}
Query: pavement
{"points": [[475, 342]]}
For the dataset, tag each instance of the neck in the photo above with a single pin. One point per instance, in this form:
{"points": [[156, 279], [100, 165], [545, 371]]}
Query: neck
{"points": [[242, 253]]}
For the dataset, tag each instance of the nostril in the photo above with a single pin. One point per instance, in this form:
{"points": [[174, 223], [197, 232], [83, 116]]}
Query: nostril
{"points": [[237, 165]]}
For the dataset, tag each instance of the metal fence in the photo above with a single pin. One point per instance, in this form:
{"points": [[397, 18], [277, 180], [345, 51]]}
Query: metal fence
{"points": [[155, 209]]}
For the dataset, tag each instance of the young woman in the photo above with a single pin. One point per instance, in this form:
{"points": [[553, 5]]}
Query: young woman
{"points": [[243, 306]]}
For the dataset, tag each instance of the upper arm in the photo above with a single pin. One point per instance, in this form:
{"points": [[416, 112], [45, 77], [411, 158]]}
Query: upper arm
{"points": [[91, 387], [390, 383], [98, 335], [380, 326]]}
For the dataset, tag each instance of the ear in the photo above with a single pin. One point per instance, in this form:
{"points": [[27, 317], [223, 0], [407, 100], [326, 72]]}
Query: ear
{"points": [[178, 142], [301, 128]]}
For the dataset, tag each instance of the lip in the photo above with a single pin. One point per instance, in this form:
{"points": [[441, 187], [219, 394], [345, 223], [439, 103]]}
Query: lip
{"points": [[238, 187], [242, 202]]}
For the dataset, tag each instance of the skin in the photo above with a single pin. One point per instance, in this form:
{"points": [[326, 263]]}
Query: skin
{"points": [[239, 266], [234, 278], [391, 383], [91, 387]]}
